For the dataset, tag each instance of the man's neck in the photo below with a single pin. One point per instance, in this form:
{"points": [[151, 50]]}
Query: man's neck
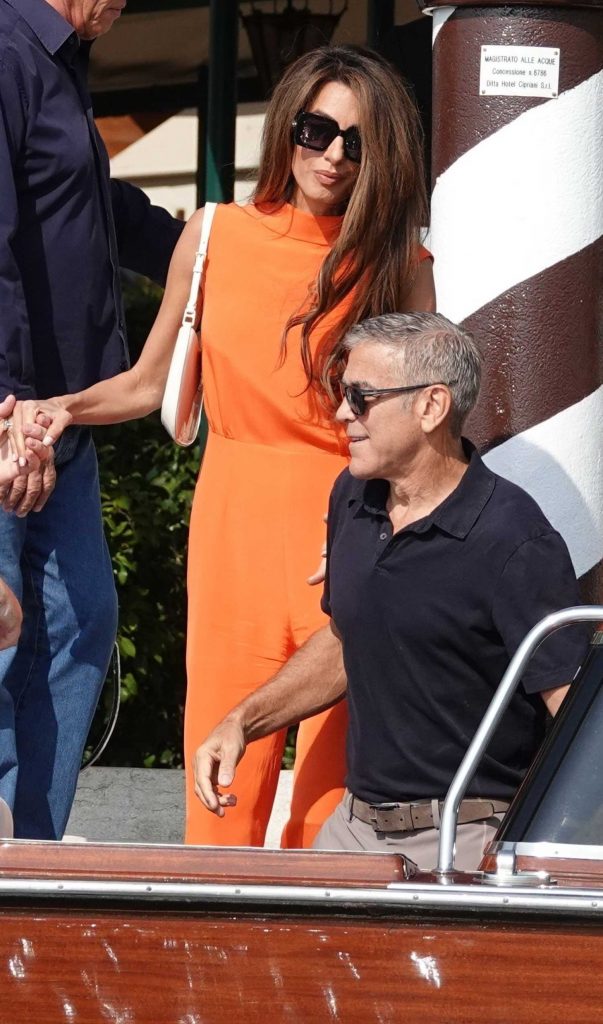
{"points": [[434, 473]]}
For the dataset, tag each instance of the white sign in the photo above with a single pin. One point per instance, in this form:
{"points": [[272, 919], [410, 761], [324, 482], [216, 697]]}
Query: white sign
{"points": [[519, 71]]}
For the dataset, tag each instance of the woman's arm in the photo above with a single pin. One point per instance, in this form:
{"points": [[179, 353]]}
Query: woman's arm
{"points": [[139, 390]]}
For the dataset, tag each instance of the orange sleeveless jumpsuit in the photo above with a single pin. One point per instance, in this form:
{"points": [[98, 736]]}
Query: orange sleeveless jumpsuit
{"points": [[256, 526]]}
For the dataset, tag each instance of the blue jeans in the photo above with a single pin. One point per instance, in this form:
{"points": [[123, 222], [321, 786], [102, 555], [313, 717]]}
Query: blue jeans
{"points": [[58, 565]]}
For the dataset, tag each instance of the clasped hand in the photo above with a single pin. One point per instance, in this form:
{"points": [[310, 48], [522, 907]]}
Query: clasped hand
{"points": [[27, 471]]}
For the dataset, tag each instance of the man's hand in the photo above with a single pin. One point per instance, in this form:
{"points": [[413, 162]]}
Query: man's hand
{"points": [[215, 764], [11, 617], [30, 493]]}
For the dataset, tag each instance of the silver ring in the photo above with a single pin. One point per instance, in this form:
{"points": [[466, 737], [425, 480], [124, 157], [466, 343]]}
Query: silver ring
{"points": [[7, 424]]}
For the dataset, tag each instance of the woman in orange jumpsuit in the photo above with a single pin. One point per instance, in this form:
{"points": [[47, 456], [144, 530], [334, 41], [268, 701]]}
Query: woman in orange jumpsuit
{"points": [[332, 236]]}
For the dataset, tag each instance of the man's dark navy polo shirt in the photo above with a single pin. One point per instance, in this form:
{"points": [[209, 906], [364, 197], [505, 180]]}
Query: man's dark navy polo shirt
{"points": [[61, 320], [429, 619]]}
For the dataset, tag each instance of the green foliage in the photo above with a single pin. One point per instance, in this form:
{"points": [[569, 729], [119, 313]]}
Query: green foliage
{"points": [[289, 751], [146, 486]]}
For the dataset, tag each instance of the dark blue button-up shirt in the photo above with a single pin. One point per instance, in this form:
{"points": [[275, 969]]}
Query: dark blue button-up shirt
{"points": [[64, 227], [430, 617]]}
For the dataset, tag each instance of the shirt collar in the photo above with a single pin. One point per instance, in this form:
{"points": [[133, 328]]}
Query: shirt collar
{"points": [[457, 514], [51, 28]]}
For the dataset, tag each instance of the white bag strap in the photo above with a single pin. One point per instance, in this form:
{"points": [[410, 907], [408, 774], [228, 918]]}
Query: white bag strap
{"points": [[190, 312]]}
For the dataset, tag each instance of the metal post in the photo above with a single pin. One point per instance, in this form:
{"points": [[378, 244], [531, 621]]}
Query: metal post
{"points": [[508, 684], [202, 95], [222, 101], [380, 22], [517, 235]]}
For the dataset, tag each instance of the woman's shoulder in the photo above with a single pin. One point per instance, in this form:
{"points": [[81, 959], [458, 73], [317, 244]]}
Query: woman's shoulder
{"points": [[227, 217], [230, 211], [221, 214]]}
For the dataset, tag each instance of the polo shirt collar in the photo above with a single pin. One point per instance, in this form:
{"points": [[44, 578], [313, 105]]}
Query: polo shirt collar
{"points": [[51, 28], [457, 514]]}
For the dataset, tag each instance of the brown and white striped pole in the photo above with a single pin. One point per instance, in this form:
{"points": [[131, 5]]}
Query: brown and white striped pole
{"points": [[517, 234]]}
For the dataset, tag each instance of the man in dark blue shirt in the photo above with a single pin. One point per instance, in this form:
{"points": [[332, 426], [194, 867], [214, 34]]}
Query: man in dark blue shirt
{"points": [[64, 231], [436, 569]]}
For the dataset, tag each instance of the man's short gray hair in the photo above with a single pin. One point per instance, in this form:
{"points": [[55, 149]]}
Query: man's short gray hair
{"points": [[430, 348]]}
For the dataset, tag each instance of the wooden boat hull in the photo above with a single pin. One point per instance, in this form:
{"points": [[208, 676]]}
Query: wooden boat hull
{"points": [[154, 935], [89, 965]]}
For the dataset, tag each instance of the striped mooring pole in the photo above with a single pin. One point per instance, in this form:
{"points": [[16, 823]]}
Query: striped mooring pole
{"points": [[517, 235]]}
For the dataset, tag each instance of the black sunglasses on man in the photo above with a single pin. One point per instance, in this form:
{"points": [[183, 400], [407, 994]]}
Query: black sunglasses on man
{"points": [[356, 396]]}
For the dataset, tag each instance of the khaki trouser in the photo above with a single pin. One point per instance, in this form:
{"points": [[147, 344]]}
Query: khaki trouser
{"points": [[339, 832]]}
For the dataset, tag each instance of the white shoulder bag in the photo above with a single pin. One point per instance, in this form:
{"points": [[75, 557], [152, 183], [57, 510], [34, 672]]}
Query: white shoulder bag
{"points": [[183, 396]]}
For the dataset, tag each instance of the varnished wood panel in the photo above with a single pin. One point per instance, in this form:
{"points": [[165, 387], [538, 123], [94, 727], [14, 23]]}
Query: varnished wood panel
{"points": [[199, 864], [90, 967]]}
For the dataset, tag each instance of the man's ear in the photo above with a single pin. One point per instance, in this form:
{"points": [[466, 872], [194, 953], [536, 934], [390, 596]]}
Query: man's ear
{"points": [[434, 405]]}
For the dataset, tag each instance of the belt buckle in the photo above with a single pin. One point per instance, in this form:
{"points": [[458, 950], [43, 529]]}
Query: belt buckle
{"points": [[383, 818]]}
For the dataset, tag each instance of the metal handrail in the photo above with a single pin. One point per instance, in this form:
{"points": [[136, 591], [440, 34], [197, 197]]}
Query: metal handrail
{"points": [[496, 709], [396, 896]]}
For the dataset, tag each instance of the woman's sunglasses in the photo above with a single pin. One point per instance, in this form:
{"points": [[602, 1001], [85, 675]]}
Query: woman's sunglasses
{"points": [[315, 131], [356, 396]]}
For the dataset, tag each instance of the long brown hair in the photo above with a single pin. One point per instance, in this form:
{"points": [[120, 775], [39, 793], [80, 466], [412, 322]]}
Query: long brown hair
{"points": [[375, 257]]}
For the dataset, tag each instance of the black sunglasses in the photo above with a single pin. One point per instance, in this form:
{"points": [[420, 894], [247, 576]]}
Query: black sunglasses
{"points": [[356, 396], [315, 131]]}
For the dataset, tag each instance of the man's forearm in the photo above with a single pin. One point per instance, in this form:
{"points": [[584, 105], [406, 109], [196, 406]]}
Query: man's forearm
{"points": [[312, 680], [554, 698]]}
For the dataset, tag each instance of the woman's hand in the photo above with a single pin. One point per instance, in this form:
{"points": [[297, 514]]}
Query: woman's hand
{"points": [[31, 415], [36, 424], [52, 414]]}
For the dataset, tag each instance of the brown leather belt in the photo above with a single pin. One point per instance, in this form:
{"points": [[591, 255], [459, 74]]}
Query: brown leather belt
{"points": [[420, 814]]}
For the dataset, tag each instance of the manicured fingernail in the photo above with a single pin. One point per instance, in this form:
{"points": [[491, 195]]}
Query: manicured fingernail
{"points": [[48, 441], [22, 461]]}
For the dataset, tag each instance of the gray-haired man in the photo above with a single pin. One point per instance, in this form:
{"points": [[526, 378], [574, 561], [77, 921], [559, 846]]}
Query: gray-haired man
{"points": [[436, 570]]}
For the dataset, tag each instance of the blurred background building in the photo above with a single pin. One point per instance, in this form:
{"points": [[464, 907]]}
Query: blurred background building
{"points": [[175, 81]]}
